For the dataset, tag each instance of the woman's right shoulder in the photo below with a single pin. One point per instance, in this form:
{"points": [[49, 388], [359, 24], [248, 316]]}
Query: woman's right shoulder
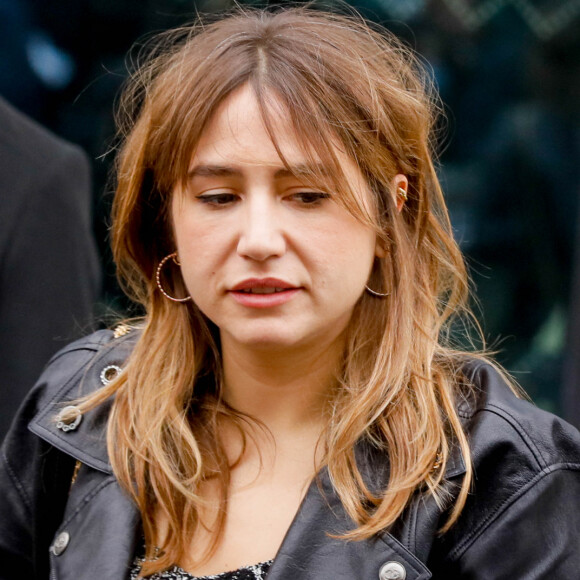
{"points": [[77, 370], [84, 365], [105, 339]]}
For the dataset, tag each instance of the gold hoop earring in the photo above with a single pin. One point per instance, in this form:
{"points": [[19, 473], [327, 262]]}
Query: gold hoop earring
{"points": [[158, 278], [376, 294]]}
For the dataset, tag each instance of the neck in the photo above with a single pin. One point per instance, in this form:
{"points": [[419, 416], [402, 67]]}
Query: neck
{"points": [[286, 389]]}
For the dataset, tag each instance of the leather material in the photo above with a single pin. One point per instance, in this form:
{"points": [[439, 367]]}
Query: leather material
{"points": [[521, 520]]}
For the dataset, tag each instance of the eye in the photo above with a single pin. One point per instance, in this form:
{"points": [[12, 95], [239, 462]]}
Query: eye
{"points": [[217, 199], [310, 198]]}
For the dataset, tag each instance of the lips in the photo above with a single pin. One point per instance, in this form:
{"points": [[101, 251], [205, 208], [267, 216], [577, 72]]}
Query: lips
{"points": [[262, 286], [263, 292]]}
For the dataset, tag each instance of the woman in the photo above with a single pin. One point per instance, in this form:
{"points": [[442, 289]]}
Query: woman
{"points": [[289, 405]]}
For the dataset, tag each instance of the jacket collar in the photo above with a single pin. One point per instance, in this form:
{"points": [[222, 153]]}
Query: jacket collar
{"points": [[311, 548], [87, 441]]}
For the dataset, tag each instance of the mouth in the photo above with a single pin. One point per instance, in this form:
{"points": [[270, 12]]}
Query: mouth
{"points": [[263, 292], [263, 286]]}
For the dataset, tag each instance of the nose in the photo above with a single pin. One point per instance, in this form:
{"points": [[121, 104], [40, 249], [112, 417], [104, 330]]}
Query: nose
{"points": [[261, 235]]}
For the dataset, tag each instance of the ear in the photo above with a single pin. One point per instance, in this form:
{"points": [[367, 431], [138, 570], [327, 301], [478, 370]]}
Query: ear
{"points": [[380, 251], [400, 185]]}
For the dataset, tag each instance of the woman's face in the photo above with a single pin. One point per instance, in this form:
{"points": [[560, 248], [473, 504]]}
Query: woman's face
{"points": [[272, 262]]}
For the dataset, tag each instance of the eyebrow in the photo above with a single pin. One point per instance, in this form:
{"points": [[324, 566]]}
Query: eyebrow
{"points": [[213, 171], [300, 170]]}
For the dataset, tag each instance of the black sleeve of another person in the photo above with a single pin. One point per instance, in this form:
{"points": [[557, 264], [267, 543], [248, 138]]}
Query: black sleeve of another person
{"points": [[49, 266]]}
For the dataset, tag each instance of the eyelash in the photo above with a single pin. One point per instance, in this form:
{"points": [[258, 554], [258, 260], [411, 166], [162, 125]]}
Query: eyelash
{"points": [[306, 198], [311, 198], [217, 199]]}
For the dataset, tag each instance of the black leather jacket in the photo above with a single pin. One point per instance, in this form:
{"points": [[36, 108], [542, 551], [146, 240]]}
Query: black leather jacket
{"points": [[522, 520]]}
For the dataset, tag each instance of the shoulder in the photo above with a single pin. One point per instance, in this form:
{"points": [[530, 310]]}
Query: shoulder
{"points": [[38, 170], [503, 425], [526, 476], [23, 138], [77, 370]]}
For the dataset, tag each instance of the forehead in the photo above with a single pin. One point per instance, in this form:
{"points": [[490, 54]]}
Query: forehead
{"points": [[237, 132]]}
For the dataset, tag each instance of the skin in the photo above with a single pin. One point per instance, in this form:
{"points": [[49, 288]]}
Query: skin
{"points": [[243, 217]]}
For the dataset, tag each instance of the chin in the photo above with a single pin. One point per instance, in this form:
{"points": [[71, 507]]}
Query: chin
{"points": [[267, 338], [269, 342]]}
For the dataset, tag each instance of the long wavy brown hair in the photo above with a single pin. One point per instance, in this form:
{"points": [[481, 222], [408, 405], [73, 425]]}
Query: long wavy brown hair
{"points": [[340, 81]]}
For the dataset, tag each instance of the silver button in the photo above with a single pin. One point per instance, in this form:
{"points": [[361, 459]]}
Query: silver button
{"points": [[69, 418], [60, 543], [109, 373], [392, 571]]}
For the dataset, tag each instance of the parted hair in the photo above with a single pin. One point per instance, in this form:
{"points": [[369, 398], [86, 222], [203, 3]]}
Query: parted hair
{"points": [[342, 83]]}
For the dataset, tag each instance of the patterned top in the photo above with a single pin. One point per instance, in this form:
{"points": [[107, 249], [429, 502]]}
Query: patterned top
{"points": [[253, 572]]}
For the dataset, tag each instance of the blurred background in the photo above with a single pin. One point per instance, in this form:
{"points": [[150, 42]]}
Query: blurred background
{"points": [[509, 74]]}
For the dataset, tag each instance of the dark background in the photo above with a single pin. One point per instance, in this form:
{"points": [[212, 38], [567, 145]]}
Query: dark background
{"points": [[509, 75]]}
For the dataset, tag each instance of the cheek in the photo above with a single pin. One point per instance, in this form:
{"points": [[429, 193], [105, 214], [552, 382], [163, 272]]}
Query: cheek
{"points": [[198, 263], [197, 250], [197, 241], [346, 253]]}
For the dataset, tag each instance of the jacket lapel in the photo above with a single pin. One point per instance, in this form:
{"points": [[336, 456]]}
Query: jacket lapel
{"points": [[87, 441], [311, 551]]}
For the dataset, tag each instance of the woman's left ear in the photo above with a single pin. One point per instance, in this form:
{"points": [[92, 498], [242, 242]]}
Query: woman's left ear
{"points": [[380, 252], [400, 185]]}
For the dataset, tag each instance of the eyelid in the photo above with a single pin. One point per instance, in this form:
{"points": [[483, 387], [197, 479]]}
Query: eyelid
{"points": [[304, 197], [217, 197], [317, 195]]}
